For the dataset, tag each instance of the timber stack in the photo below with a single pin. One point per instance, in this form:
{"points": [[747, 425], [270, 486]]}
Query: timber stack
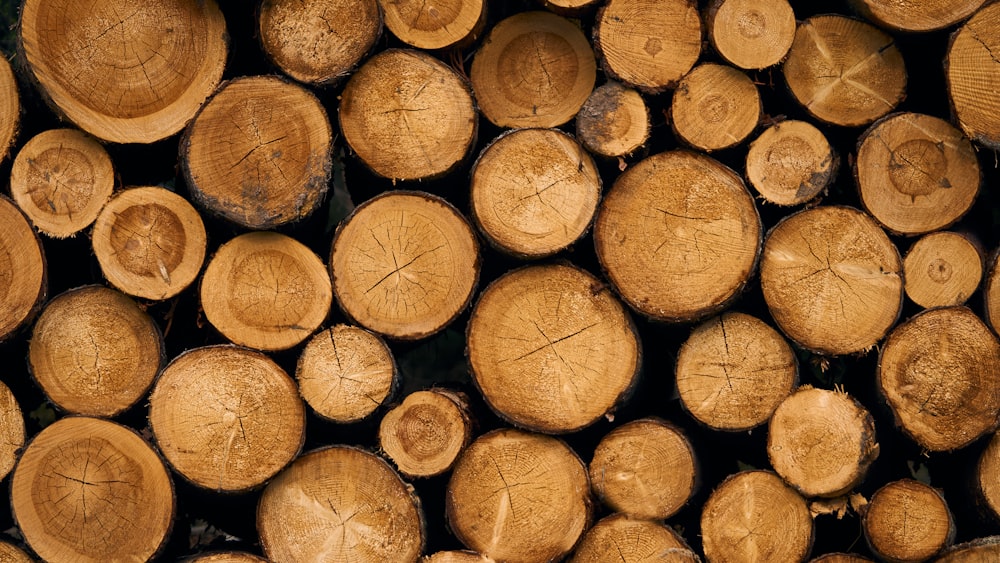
{"points": [[500, 281]]}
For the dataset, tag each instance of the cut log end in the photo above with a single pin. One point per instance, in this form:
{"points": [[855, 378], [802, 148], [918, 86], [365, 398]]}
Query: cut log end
{"points": [[929, 15], [751, 34], [439, 25], [907, 520], [614, 121], [23, 282], [12, 432], [791, 163], [425, 433], [10, 108], [715, 107], [942, 269], [622, 538], [972, 76]]}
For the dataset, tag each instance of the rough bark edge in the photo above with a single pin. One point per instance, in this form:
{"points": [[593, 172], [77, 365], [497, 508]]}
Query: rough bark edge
{"points": [[43, 289], [640, 152]]}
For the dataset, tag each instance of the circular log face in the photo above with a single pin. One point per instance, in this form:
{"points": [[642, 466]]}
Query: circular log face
{"points": [[991, 293], [938, 372], [620, 537], [976, 551], [988, 476], [715, 107], [227, 557], [340, 504], [790, 163], [404, 264], [436, 25], [12, 433], [87, 489], [10, 108], [927, 15], [551, 349], [942, 269], [127, 71], [614, 121], [907, 520], [425, 433], [9, 553], [678, 235], [22, 269], [973, 78], [751, 34]]}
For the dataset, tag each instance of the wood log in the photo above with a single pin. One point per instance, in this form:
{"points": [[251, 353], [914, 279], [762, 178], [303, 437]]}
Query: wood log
{"points": [[972, 78], [570, 7], [442, 24], [755, 516], [425, 433], [791, 163], [23, 282], [61, 179], [733, 371], [345, 373], [715, 107], [751, 34], [907, 520], [991, 292], [831, 279], [614, 121], [916, 173], [534, 192], [258, 152], [226, 557], [986, 483], [550, 349], [821, 442], [632, 540], [648, 44], [226, 418], [93, 351], [844, 71], [10, 553], [12, 432], [942, 269], [678, 236], [265, 290], [407, 115], [937, 372], [124, 73], [645, 469], [10, 108], [318, 43], [518, 496], [534, 69], [88, 489], [343, 503], [404, 264], [455, 556], [840, 558], [979, 550], [917, 17]]}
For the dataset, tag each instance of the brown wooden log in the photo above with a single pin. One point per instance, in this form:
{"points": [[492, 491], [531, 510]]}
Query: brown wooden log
{"points": [[678, 236], [941, 269], [986, 484], [437, 25], [534, 69], [93, 351], [265, 290], [937, 372], [844, 71], [831, 279], [840, 558], [991, 292], [407, 115], [425, 433], [908, 521], [648, 44], [258, 152], [632, 540], [10, 108], [88, 489], [10, 553], [751, 34], [980, 550], [733, 371], [23, 283], [570, 7], [404, 264], [614, 121], [715, 107], [916, 173], [917, 17], [455, 556], [534, 192], [972, 77], [342, 503], [12, 432], [519, 497], [226, 557], [791, 163], [318, 43], [226, 418], [135, 76], [550, 349]]}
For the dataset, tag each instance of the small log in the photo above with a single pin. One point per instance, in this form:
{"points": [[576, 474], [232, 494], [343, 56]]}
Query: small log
{"points": [[226, 418], [733, 371], [632, 540], [61, 179], [972, 77], [907, 521], [345, 373], [425, 433], [318, 43], [832, 279], [12, 433], [10, 553], [88, 489], [407, 115], [135, 77], [437, 25], [265, 290], [791, 163], [258, 152], [550, 349], [751, 34], [23, 283], [570, 7], [678, 236], [535, 69], [150, 242], [648, 44], [455, 556], [980, 550], [991, 292], [821, 442], [942, 269], [916, 173], [844, 71], [226, 557], [715, 107], [938, 371], [614, 121], [645, 469], [93, 351], [10, 108], [340, 503], [755, 516], [534, 192], [404, 264], [518, 497], [987, 479], [928, 15], [840, 558]]}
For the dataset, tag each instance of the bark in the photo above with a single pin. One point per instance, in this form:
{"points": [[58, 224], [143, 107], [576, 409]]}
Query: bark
{"points": [[614, 121]]}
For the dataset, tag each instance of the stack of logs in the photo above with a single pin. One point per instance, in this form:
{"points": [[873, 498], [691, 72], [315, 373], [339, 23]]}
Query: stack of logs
{"points": [[518, 281]]}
